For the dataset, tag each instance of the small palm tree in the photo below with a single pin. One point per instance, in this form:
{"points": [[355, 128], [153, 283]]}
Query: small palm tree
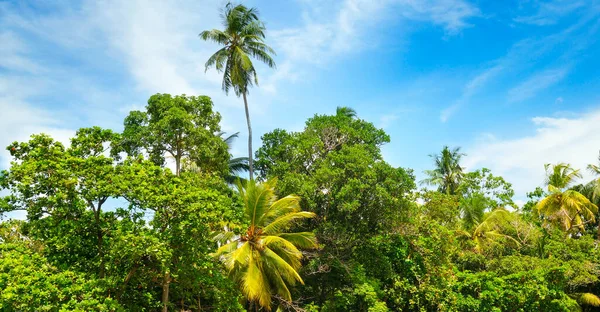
{"points": [[490, 229], [448, 173], [264, 260], [345, 111], [472, 210], [566, 208], [586, 299], [561, 175], [593, 189], [242, 38], [237, 165]]}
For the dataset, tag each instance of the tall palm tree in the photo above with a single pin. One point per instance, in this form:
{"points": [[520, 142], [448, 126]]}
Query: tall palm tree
{"points": [[264, 260], [566, 208], [242, 38], [448, 173]]}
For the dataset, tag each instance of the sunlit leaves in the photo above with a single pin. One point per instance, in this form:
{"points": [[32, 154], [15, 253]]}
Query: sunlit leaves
{"points": [[261, 259]]}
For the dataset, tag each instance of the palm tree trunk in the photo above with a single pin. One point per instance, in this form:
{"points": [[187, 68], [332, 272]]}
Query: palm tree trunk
{"points": [[249, 138], [165, 291]]}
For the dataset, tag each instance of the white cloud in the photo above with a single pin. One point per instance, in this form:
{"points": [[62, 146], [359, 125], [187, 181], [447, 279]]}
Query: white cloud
{"points": [[20, 120], [521, 160], [536, 83], [12, 54]]}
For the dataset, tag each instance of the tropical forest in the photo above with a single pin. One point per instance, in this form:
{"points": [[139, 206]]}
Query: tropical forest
{"points": [[160, 215]]}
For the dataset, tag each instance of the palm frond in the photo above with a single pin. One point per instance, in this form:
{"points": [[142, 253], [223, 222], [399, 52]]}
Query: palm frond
{"points": [[264, 260], [230, 138], [287, 272], [589, 299], [345, 112], [215, 35], [305, 240], [282, 206], [285, 221], [255, 284], [216, 59], [238, 165]]}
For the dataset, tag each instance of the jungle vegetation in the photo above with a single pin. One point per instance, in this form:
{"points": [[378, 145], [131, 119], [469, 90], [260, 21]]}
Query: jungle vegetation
{"points": [[161, 217]]}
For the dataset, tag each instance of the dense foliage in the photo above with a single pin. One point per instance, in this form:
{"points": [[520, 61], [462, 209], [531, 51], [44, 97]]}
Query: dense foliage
{"points": [[331, 227], [148, 219]]}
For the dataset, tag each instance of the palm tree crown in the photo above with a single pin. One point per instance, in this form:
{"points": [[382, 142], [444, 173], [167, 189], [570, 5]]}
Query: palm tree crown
{"points": [[561, 175], [345, 111], [490, 229], [264, 260], [448, 173], [566, 208], [242, 37]]}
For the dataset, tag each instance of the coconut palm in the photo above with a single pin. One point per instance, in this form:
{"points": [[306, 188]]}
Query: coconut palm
{"points": [[490, 229], [237, 165], [566, 208], [472, 210], [242, 38], [345, 111], [264, 260], [448, 173], [561, 175], [586, 299]]}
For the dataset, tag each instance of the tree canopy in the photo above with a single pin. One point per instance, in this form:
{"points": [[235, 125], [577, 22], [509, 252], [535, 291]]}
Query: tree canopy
{"points": [[112, 225]]}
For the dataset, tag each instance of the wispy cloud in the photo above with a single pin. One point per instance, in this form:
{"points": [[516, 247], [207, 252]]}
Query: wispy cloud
{"points": [[536, 83], [13, 54], [352, 25], [110, 56], [548, 12], [526, 54], [470, 89]]}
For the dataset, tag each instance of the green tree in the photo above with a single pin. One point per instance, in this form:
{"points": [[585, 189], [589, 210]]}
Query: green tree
{"points": [[185, 210], [242, 38], [441, 208], [566, 208], [65, 189], [264, 260], [335, 166], [180, 127], [497, 192], [30, 282], [236, 165], [448, 173]]}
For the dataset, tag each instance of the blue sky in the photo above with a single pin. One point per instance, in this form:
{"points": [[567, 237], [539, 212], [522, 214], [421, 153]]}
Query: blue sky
{"points": [[514, 83]]}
